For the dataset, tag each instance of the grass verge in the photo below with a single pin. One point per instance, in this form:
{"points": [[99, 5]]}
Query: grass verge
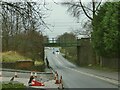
{"points": [[12, 56], [14, 60], [12, 86]]}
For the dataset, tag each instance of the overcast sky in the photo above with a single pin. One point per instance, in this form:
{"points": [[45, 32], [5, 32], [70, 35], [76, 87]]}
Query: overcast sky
{"points": [[60, 20]]}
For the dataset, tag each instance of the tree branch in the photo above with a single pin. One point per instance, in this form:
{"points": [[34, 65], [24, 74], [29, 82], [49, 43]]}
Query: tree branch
{"points": [[85, 11], [67, 3], [98, 6]]}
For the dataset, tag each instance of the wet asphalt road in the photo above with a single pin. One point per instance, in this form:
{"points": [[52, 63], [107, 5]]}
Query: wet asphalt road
{"points": [[72, 76]]}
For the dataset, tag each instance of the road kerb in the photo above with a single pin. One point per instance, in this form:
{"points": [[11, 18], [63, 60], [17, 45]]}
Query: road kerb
{"points": [[112, 81], [115, 82]]}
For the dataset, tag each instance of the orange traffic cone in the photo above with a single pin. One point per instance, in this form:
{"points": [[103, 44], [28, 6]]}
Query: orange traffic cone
{"points": [[61, 83], [35, 75], [56, 79], [31, 74], [55, 75], [16, 75]]}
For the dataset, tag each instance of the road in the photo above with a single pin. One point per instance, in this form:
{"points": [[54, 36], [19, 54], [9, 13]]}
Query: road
{"points": [[23, 77], [72, 75]]}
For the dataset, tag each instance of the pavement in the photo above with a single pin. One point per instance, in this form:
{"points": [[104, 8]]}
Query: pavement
{"points": [[111, 77], [103, 73], [23, 77], [107, 74], [48, 78]]}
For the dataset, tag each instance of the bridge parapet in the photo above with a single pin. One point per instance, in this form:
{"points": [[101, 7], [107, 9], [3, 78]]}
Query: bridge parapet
{"points": [[62, 44]]}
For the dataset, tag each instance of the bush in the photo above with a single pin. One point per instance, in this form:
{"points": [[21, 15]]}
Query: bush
{"points": [[13, 86], [38, 66]]}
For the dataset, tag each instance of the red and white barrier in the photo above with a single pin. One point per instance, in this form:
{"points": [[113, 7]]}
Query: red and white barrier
{"points": [[36, 83]]}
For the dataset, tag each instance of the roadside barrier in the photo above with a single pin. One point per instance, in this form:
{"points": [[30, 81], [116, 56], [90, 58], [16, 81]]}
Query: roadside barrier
{"points": [[56, 78], [24, 71], [61, 83]]}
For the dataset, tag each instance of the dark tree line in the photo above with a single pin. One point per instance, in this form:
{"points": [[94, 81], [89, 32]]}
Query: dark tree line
{"points": [[79, 9], [105, 35], [67, 39]]}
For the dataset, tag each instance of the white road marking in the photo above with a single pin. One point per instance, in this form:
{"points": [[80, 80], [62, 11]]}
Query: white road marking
{"points": [[92, 75]]}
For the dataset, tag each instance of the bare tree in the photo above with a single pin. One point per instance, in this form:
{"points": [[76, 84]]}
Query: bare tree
{"points": [[83, 31], [29, 12], [89, 9], [19, 17], [76, 8]]}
